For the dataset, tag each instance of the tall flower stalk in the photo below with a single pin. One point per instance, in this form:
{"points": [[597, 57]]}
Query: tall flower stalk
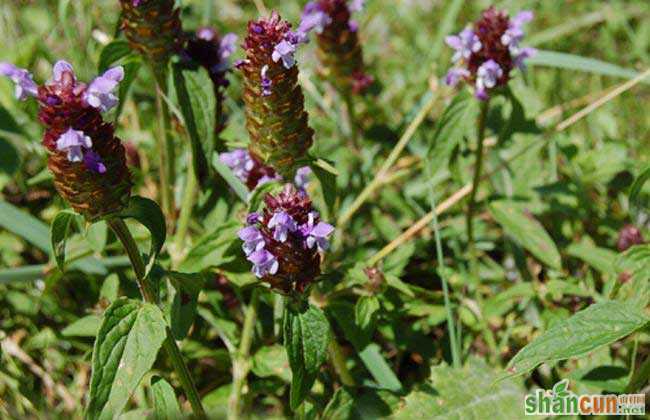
{"points": [[153, 28], [276, 119], [485, 55], [89, 165]]}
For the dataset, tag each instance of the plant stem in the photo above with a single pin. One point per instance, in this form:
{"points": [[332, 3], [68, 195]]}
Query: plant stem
{"points": [[352, 120], [187, 205], [471, 205], [169, 345], [166, 155], [241, 362], [338, 360]]}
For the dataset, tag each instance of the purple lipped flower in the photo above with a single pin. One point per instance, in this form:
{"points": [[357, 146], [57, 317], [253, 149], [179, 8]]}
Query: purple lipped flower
{"points": [[99, 93], [487, 76], [265, 179], [74, 142], [239, 161], [253, 218], [206, 33], [284, 51], [94, 162], [455, 75], [282, 223], [313, 19], [465, 43], [253, 239], [266, 82], [356, 5], [521, 55], [263, 263], [25, 85], [316, 234], [515, 31], [227, 46], [353, 25], [61, 67], [302, 177]]}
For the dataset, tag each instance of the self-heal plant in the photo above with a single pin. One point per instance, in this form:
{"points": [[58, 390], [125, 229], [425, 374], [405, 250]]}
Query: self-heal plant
{"points": [[275, 116], [87, 160], [339, 49], [486, 53], [284, 240]]}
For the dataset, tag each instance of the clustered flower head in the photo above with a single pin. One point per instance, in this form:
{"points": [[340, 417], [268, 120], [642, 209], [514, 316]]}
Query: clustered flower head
{"points": [[275, 116], [284, 240], [339, 49], [153, 27], [88, 161], [252, 172], [213, 52], [486, 53]]}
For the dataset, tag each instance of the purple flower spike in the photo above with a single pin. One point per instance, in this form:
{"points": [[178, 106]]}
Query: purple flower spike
{"points": [[25, 85], [263, 263], [59, 68], [284, 51], [99, 93], [302, 177], [465, 43], [73, 142], [282, 223], [486, 78], [253, 239], [94, 162], [455, 75]]}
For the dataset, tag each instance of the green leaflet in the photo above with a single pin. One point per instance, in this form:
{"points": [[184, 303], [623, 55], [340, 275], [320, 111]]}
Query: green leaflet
{"points": [[526, 231], [306, 338], [165, 404], [59, 234], [127, 343], [600, 324]]}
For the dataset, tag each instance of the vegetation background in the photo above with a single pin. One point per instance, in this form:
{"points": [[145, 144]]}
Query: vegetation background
{"points": [[551, 209]]}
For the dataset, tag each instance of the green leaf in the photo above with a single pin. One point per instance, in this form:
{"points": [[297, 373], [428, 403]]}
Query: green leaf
{"points": [[524, 229], [127, 343], [25, 225], [637, 186], [131, 67], [602, 259], [456, 120], [59, 235], [600, 324], [83, 327], [365, 314], [110, 288], [183, 310], [165, 403], [96, 235], [9, 157], [465, 393], [197, 104], [148, 213], [306, 338], [328, 185], [271, 361], [576, 62], [233, 182], [112, 53]]}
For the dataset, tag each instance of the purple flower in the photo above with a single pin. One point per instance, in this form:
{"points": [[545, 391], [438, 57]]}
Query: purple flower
{"points": [[59, 68], [356, 5], [353, 25], [136, 3], [486, 78], [253, 218], [316, 234], [284, 51], [465, 43], [253, 239], [206, 33], [227, 46], [99, 93], [302, 177], [282, 223], [313, 18], [266, 179], [25, 85], [263, 263], [74, 142], [239, 161], [521, 55], [455, 75], [266, 82], [94, 162], [515, 31]]}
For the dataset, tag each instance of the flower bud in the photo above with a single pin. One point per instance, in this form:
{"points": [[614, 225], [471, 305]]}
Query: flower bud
{"points": [[486, 53], [153, 28], [212, 52], [283, 241], [339, 49], [87, 160], [275, 115], [629, 236]]}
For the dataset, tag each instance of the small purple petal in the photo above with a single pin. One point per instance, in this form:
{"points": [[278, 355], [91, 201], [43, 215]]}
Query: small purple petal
{"points": [[523, 54], [356, 6], [94, 162], [266, 82], [253, 218], [465, 43], [227, 46], [25, 85], [239, 161], [59, 68], [253, 239], [487, 77], [206, 33], [73, 142], [313, 19], [353, 25], [282, 223], [99, 93], [455, 75], [263, 263], [302, 177], [284, 51]]}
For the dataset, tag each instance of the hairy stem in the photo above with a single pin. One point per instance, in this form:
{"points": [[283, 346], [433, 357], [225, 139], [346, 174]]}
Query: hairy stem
{"points": [[241, 362], [166, 155], [171, 349]]}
